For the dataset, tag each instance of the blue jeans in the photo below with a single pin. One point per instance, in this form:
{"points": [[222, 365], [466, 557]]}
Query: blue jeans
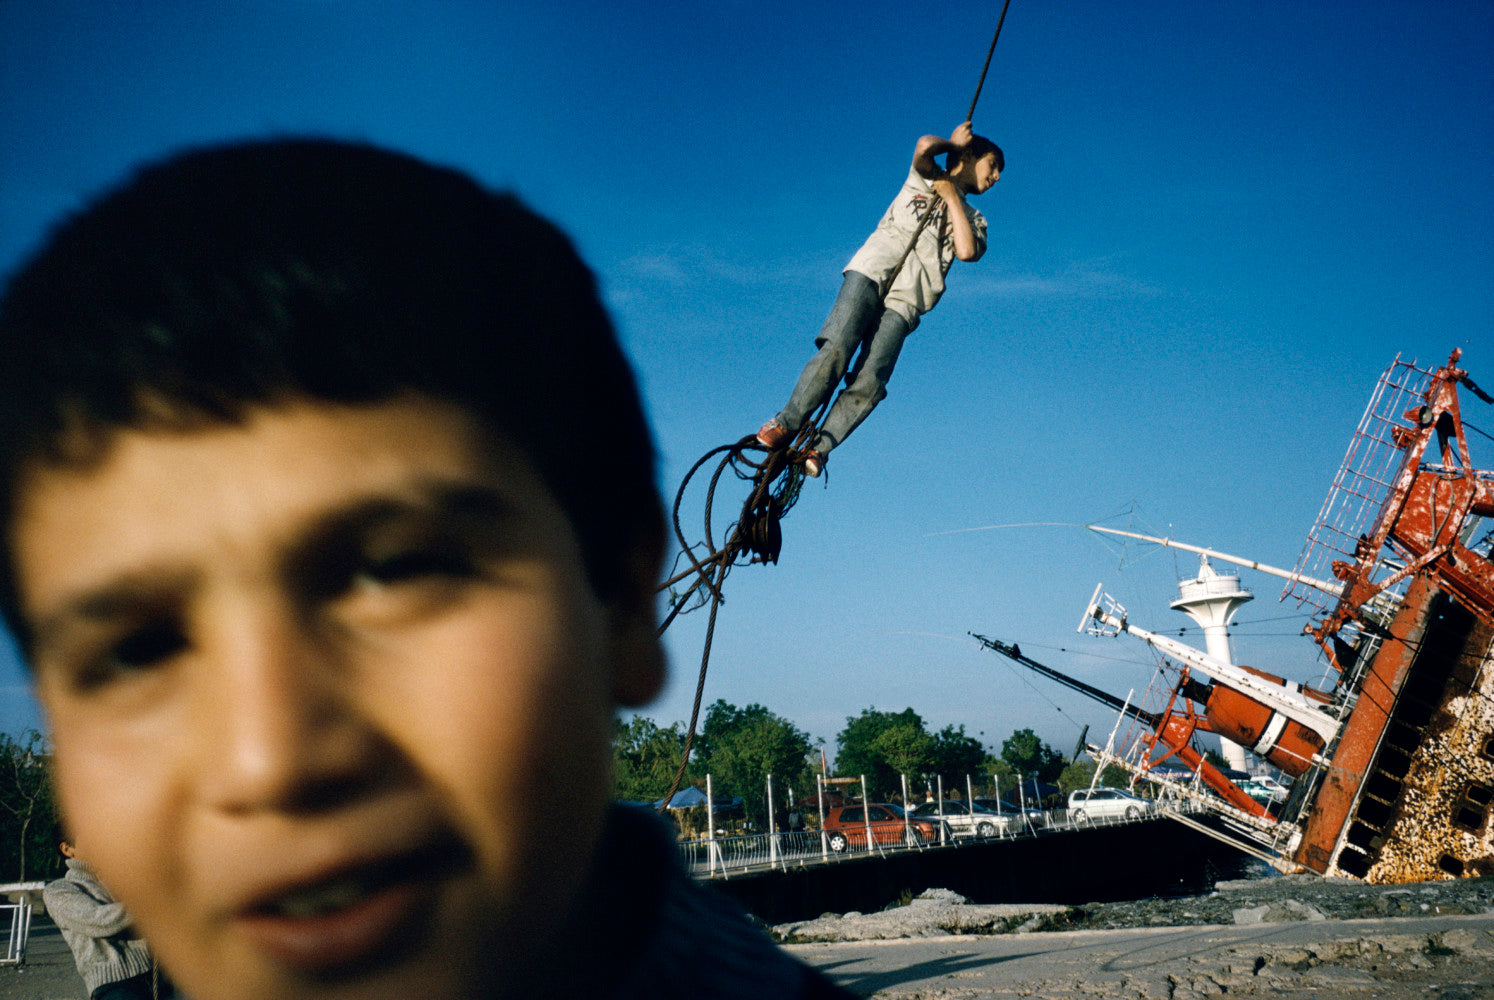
{"points": [[857, 321]]}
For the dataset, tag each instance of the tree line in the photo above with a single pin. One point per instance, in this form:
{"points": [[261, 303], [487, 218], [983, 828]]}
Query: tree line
{"points": [[739, 747]]}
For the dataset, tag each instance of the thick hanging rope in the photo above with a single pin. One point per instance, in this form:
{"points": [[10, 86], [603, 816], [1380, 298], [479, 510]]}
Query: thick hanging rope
{"points": [[970, 117], [756, 534]]}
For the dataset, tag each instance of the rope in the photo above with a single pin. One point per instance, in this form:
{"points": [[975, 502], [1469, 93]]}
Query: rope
{"points": [[970, 117], [754, 535], [705, 656]]}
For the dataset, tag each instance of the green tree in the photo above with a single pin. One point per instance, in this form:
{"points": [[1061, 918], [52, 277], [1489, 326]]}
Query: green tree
{"points": [[1081, 773], [28, 811], [1030, 755], [906, 749], [860, 748], [740, 747], [998, 775], [957, 755], [645, 758], [1077, 775]]}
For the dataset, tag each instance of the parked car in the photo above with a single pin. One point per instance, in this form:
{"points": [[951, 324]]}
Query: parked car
{"points": [[967, 819], [845, 826], [1005, 807], [1264, 789], [1105, 803]]}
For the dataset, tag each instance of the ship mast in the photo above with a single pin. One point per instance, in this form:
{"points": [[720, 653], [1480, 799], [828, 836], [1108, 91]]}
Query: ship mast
{"points": [[1328, 587]]}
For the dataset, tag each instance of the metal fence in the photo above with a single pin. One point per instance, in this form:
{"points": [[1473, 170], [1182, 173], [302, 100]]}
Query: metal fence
{"points": [[20, 931], [723, 857]]}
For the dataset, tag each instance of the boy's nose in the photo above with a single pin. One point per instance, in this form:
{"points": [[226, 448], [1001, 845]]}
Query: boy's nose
{"points": [[280, 732]]}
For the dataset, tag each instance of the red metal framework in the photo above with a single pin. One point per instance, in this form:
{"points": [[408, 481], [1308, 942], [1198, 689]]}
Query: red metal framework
{"points": [[1175, 731], [1420, 509], [1400, 516]]}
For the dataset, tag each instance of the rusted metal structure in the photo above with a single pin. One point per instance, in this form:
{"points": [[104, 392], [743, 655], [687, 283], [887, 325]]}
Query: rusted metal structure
{"points": [[1393, 755], [1406, 792]]}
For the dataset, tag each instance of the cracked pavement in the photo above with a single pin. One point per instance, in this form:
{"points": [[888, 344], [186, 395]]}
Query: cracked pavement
{"points": [[1296, 937]]}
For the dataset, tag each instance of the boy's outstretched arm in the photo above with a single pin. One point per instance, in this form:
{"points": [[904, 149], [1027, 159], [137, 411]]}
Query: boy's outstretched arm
{"points": [[928, 147]]}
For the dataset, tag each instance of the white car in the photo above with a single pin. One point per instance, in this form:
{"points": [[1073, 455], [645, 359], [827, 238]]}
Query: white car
{"points": [[1106, 803], [1264, 789], [966, 820]]}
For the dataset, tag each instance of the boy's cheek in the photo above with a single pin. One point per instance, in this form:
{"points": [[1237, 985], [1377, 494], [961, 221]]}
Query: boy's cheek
{"points": [[117, 804]]}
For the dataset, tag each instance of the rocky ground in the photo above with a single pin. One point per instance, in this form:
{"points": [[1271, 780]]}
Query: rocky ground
{"points": [[1298, 936]]}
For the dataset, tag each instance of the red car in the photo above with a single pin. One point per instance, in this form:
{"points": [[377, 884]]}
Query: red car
{"points": [[845, 826]]}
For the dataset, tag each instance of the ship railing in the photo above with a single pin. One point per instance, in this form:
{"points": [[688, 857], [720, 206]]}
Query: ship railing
{"points": [[1362, 483], [1220, 583]]}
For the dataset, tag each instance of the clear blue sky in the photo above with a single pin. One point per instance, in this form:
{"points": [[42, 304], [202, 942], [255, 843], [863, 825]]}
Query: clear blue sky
{"points": [[1218, 224]]}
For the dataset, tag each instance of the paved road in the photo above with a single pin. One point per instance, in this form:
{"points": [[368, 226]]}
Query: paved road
{"points": [[49, 973], [1440, 958], [1407, 958]]}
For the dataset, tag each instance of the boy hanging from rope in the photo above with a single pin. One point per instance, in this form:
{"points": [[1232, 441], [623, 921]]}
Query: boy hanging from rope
{"points": [[888, 286]]}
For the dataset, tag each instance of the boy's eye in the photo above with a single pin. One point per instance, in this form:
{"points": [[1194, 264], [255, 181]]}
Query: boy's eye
{"points": [[142, 648], [392, 562], [402, 585], [409, 566]]}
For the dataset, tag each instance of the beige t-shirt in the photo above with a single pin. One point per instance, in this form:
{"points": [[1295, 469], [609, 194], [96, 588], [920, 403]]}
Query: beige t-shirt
{"points": [[917, 287]]}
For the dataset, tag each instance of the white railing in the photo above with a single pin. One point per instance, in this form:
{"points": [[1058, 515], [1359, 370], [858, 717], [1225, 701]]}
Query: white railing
{"points": [[709, 853], [723, 857], [20, 931]]}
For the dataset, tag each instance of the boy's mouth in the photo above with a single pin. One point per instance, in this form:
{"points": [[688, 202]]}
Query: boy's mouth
{"points": [[352, 920], [339, 894]]}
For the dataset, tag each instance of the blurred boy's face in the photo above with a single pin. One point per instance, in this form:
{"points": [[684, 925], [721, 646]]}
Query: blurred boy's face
{"points": [[330, 695]]}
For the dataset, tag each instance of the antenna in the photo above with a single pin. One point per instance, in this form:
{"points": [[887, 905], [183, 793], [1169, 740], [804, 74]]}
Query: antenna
{"points": [[1326, 586], [1107, 621], [1090, 608]]}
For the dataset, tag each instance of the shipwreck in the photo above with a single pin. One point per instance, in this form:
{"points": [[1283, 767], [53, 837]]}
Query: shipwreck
{"points": [[1391, 754]]}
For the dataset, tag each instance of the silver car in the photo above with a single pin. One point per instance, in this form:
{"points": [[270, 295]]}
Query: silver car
{"points": [[1106, 803], [966, 819]]}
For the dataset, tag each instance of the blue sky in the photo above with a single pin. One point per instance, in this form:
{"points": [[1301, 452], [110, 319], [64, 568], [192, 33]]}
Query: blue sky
{"points": [[1218, 224]]}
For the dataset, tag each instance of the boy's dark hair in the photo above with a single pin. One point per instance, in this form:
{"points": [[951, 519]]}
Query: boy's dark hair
{"points": [[978, 146], [247, 275]]}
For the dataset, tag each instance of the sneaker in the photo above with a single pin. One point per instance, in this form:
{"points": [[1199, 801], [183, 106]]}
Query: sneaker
{"points": [[813, 463], [772, 435]]}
